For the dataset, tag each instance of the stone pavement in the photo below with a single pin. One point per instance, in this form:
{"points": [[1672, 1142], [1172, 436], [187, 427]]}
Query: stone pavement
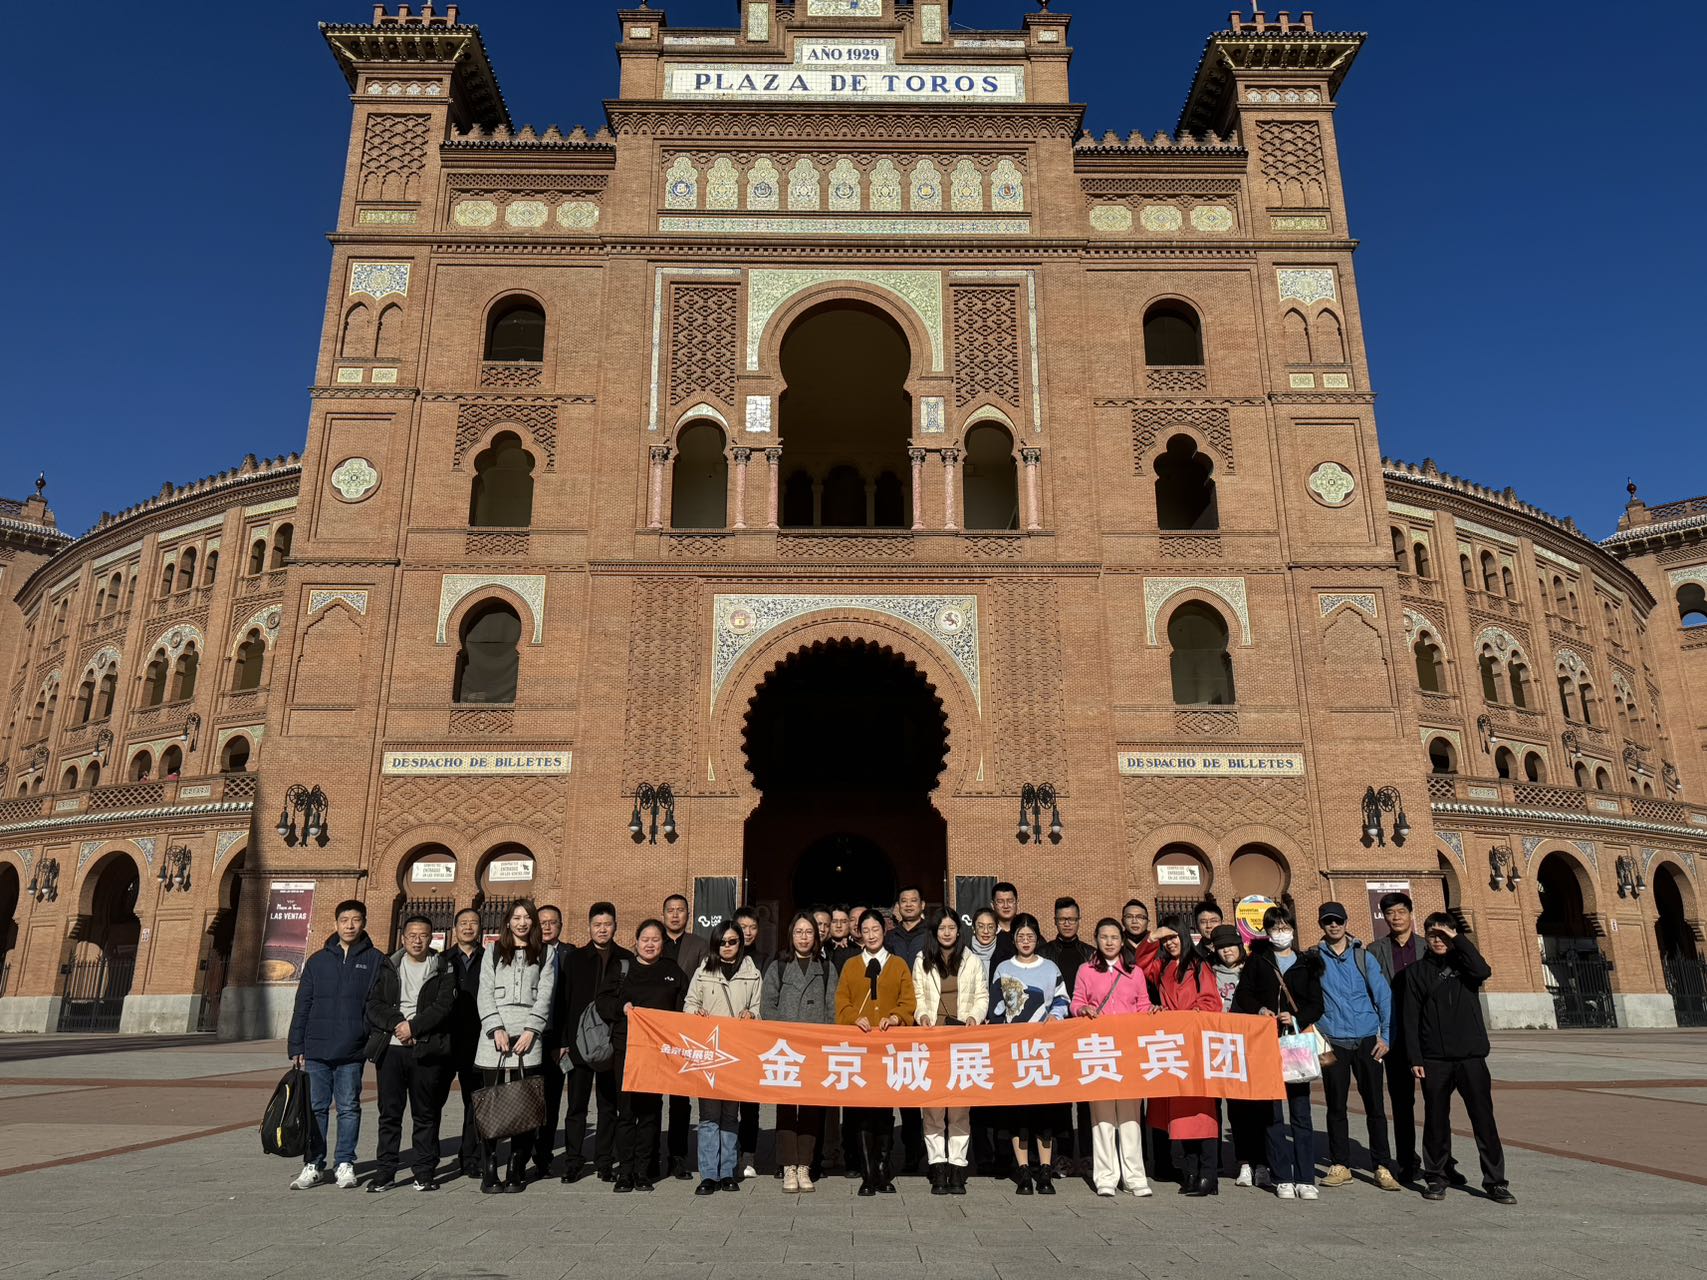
{"points": [[145, 1162]]}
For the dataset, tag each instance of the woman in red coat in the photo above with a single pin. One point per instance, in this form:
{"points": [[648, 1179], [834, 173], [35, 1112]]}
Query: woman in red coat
{"points": [[1187, 984]]}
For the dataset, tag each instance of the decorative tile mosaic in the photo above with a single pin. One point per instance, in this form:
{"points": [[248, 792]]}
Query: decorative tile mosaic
{"points": [[1278, 97], [380, 279], [759, 414], [885, 187], [758, 22], [222, 845], [699, 41], [844, 187], [346, 376], [85, 851], [1332, 484], [1307, 284], [1336, 381], [1158, 591], [1162, 219], [578, 215], [1499, 640], [681, 185], [948, 622], [474, 213], [768, 290], [1213, 218], [722, 185], [319, 598], [457, 587], [764, 185], [1696, 574], [1007, 188], [1047, 36], [1301, 381], [1298, 222], [25, 856], [833, 226], [804, 186], [386, 217], [967, 188], [930, 23], [844, 8], [528, 214], [384, 377], [1571, 662], [933, 415], [1588, 850], [1113, 218], [1362, 600], [177, 639], [1416, 623], [354, 478], [926, 186]]}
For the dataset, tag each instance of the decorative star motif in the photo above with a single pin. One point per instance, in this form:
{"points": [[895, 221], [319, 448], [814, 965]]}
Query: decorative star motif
{"points": [[707, 1058]]}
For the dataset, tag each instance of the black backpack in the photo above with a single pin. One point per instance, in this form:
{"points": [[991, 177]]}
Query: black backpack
{"points": [[284, 1126]]}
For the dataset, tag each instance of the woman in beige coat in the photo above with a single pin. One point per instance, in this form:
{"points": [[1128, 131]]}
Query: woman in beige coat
{"points": [[727, 985], [952, 991]]}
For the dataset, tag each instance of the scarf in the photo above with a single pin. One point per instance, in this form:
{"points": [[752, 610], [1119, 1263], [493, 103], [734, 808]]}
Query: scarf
{"points": [[980, 950], [873, 971]]}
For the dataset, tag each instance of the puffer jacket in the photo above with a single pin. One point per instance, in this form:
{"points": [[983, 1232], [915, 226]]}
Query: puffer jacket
{"points": [[725, 997], [514, 997], [329, 1023], [971, 993], [791, 995]]}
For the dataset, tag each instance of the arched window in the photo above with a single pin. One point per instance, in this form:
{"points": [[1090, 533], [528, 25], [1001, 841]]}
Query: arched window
{"points": [[210, 568], [1602, 780], [172, 763], [184, 675], [1648, 789], [1419, 554], [1202, 666], [1173, 334], [1431, 671], [1505, 764], [86, 701], [1576, 612], [1185, 489], [282, 539], [1623, 714], [1692, 605], [130, 590], [1441, 757], [1508, 582], [168, 575], [141, 766], [1466, 571], [1297, 334], [516, 331], [798, 507], [258, 557], [1534, 768], [1560, 603], [251, 659], [115, 589], [1582, 777], [154, 680], [106, 693], [92, 775], [1567, 697], [187, 569], [68, 779], [389, 340], [356, 342], [1519, 674], [101, 600], [1399, 550], [502, 494], [1490, 574], [699, 479], [1591, 706], [1493, 678], [1327, 339], [488, 663], [234, 758], [991, 479]]}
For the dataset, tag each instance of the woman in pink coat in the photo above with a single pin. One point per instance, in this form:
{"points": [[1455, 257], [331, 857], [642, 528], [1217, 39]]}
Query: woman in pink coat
{"points": [[1188, 986], [1106, 987]]}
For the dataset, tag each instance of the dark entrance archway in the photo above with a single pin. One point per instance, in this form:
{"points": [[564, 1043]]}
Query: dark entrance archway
{"points": [[100, 976], [9, 894], [1579, 978], [846, 741]]}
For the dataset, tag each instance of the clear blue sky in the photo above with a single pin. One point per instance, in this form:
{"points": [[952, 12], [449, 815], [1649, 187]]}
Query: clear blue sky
{"points": [[1525, 180]]}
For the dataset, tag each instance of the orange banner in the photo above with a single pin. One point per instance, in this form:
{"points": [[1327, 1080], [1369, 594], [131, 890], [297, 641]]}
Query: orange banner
{"points": [[1169, 1055]]}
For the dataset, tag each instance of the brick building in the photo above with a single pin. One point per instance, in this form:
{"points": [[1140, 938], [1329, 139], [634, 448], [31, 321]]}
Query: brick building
{"points": [[844, 441]]}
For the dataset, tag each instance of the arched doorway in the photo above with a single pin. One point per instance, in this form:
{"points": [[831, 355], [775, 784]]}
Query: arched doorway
{"points": [[221, 933], [1680, 951], [103, 965], [1184, 878], [426, 886], [845, 741], [9, 895], [1578, 976]]}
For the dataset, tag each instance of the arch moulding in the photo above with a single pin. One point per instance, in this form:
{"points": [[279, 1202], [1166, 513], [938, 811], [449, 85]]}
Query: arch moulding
{"points": [[1159, 592], [527, 590], [913, 298]]}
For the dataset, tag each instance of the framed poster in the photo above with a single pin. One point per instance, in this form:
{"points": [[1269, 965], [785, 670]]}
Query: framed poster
{"points": [[284, 939]]}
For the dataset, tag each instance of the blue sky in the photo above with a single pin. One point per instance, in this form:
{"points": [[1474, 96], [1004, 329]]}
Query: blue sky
{"points": [[1524, 179]]}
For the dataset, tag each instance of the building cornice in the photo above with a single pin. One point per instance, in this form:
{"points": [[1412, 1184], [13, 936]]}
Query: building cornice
{"points": [[1505, 813], [41, 826]]}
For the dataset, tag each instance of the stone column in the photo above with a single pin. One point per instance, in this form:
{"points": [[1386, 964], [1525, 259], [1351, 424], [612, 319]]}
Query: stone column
{"points": [[918, 457], [741, 457], [655, 505], [774, 457], [1033, 508], [950, 460]]}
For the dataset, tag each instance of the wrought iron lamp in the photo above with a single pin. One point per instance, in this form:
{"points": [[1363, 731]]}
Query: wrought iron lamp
{"points": [[311, 804], [1375, 803], [1631, 882], [1034, 798], [192, 730], [1502, 865], [44, 883], [175, 869], [650, 799]]}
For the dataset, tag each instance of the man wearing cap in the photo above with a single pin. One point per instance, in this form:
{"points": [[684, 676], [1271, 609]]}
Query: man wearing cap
{"points": [[1357, 1020]]}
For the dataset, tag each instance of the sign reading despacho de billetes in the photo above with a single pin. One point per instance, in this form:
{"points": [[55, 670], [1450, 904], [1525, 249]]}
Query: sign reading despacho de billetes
{"points": [[428, 764], [1212, 764]]}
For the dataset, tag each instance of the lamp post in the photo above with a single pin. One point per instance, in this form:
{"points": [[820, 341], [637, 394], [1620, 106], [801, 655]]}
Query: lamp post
{"points": [[175, 870], [1375, 803], [649, 799], [44, 883], [1034, 798], [311, 804]]}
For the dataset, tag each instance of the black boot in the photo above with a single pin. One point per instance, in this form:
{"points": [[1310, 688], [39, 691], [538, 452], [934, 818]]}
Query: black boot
{"points": [[956, 1179], [1044, 1177], [868, 1165], [1022, 1179], [489, 1184], [884, 1179], [939, 1179], [518, 1179]]}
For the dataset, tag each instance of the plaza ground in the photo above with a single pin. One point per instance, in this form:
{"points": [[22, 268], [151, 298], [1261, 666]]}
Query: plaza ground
{"points": [[130, 1157]]}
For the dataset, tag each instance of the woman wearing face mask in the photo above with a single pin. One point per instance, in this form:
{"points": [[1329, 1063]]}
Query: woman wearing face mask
{"points": [[952, 992], [651, 982], [1108, 986], [1188, 985], [515, 1004], [1029, 988], [1248, 1120], [875, 993], [799, 987], [727, 985], [1277, 981]]}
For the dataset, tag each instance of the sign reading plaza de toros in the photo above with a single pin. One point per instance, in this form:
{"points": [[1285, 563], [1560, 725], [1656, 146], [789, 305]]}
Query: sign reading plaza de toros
{"points": [[1211, 764], [440, 764], [844, 71]]}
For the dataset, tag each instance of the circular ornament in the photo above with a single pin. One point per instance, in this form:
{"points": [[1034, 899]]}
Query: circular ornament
{"points": [[1331, 484], [354, 479]]}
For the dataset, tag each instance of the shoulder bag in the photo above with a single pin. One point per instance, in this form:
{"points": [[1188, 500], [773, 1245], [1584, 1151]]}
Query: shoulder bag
{"points": [[593, 1040], [513, 1105]]}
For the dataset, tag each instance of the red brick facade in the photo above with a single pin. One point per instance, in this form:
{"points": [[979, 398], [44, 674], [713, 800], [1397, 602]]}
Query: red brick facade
{"points": [[862, 469]]}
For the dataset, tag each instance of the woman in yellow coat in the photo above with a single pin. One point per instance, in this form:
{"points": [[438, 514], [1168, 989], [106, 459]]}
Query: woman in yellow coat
{"points": [[875, 993]]}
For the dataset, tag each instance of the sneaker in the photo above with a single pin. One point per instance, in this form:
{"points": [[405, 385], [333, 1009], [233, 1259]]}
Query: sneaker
{"points": [[346, 1176], [748, 1170], [1501, 1195], [1307, 1192], [1386, 1181], [312, 1175], [1262, 1177], [424, 1184], [381, 1182], [1142, 1191], [1246, 1177], [1337, 1176], [1285, 1191], [1106, 1192]]}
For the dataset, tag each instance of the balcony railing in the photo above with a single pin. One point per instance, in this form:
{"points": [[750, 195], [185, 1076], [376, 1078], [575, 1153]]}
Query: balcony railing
{"points": [[207, 789], [1561, 799]]}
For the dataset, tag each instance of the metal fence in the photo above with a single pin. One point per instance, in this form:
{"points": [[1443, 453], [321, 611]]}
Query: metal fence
{"points": [[1686, 979], [94, 993], [1580, 983]]}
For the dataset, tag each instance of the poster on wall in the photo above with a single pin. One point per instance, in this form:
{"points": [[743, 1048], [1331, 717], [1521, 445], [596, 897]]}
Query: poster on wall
{"points": [[713, 903], [1248, 915], [1379, 889], [284, 940]]}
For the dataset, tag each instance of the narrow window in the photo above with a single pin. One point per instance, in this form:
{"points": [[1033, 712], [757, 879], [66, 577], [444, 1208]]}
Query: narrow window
{"points": [[1419, 554], [1399, 550], [1466, 572], [154, 681], [281, 545], [251, 658], [1202, 665], [1441, 757], [1185, 489], [141, 767], [1533, 767], [991, 479], [516, 331], [1490, 574], [258, 557], [1173, 334], [502, 493], [699, 479], [235, 757], [184, 675], [1567, 698], [106, 694], [1492, 690], [1431, 676], [1519, 674], [488, 664], [1505, 764], [1509, 583], [210, 569], [172, 763], [1692, 605]]}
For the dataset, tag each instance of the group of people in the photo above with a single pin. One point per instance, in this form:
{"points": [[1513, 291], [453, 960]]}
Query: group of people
{"points": [[1398, 1014]]}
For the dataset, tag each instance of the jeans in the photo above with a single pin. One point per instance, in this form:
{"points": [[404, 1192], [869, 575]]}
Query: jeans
{"points": [[1293, 1162], [339, 1083], [719, 1139], [1356, 1061]]}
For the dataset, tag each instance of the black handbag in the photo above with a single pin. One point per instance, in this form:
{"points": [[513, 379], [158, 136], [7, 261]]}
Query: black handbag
{"points": [[284, 1124], [516, 1104]]}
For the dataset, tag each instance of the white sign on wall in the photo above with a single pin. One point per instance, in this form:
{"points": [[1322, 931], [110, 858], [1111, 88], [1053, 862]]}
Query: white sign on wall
{"points": [[1211, 764], [510, 870], [439, 764], [1191, 875], [842, 71], [433, 873]]}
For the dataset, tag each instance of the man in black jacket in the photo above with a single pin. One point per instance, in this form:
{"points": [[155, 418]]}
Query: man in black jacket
{"points": [[581, 974], [465, 955], [1070, 952], [409, 1010], [689, 951], [556, 951], [1448, 1044]]}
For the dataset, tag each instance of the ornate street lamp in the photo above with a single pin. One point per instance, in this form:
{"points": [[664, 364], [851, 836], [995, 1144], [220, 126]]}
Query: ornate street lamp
{"points": [[311, 804], [175, 869], [1502, 865], [44, 884], [1375, 803], [649, 799], [192, 730], [1034, 798]]}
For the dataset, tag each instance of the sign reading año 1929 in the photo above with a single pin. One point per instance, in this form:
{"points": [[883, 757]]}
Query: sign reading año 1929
{"points": [[427, 764], [1211, 764]]}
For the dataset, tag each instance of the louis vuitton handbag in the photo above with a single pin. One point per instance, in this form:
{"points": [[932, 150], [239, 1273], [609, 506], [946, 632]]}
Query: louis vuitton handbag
{"points": [[516, 1104]]}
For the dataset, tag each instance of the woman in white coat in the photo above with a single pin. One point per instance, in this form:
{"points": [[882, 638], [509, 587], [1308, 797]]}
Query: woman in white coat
{"points": [[516, 982], [727, 985], [953, 991]]}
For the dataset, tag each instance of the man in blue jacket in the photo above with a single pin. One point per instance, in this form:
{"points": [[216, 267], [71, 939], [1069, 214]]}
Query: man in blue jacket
{"points": [[330, 1040], [1357, 1020]]}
